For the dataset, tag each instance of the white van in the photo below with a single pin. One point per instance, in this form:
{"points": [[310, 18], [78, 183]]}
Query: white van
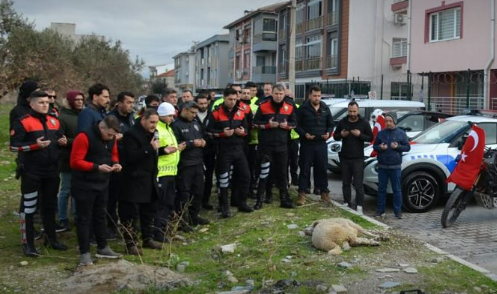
{"points": [[366, 108]]}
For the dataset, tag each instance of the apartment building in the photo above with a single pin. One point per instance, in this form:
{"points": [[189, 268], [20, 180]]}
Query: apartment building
{"points": [[349, 47], [253, 46], [452, 45], [184, 66], [212, 63]]}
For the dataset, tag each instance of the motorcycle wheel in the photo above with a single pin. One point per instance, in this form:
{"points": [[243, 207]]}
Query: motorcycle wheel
{"points": [[454, 207]]}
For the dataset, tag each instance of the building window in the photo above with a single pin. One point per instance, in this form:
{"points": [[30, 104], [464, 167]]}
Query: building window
{"points": [[399, 48], [314, 9], [399, 91], [313, 44], [300, 13], [269, 25], [299, 49], [445, 25], [332, 5]]}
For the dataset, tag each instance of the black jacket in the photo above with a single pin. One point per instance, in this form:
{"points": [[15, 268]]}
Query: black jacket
{"points": [[354, 146], [23, 136], [186, 131], [210, 145], [279, 112], [68, 124], [222, 118], [140, 166], [314, 122], [21, 109], [125, 124]]}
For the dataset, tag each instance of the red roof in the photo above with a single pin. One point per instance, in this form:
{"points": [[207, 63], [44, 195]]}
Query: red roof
{"points": [[167, 74]]}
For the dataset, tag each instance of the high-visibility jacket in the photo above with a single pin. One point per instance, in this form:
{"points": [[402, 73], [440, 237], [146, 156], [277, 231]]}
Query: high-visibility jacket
{"points": [[293, 134], [254, 133], [168, 163]]}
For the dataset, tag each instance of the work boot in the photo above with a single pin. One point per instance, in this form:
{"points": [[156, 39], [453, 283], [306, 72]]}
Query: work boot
{"points": [[54, 243], [325, 197], [285, 201], [258, 201], [28, 232], [132, 249], [150, 243], [242, 204], [269, 196], [301, 200], [30, 250], [225, 209], [197, 220]]}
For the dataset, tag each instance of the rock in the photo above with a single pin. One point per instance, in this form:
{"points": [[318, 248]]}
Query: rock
{"points": [[411, 270], [290, 214], [203, 230], [388, 270], [437, 260], [233, 292], [301, 234], [292, 226], [230, 248], [388, 285], [232, 279], [24, 263], [269, 282], [403, 264], [125, 287], [186, 263], [181, 268], [477, 289], [386, 276], [227, 273], [180, 238], [293, 274], [344, 264], [242, 288], [286, 260], [321, 288], [250, 282], [339, 288]]}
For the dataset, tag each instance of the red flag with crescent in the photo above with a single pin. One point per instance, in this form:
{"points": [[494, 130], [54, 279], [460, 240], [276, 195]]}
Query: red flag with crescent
{"points": [[378, 126], [468, 167]]}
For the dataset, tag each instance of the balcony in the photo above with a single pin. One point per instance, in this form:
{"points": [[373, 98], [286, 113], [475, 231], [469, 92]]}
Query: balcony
{"points": [[314, 24], [331, 61], [264, 73], [308, 64], [265, 42], [332, 18], [300, 28], [400, 6]]}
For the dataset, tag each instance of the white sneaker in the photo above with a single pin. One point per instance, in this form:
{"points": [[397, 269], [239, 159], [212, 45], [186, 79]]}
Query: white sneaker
{"points": [[346, 205], [359, 210]]}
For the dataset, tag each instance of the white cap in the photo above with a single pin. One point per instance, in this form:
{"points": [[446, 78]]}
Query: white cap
{"points": [[166, 109]]}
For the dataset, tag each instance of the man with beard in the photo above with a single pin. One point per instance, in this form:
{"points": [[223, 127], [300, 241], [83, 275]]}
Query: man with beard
{"points": [[124, 113], [209, 151], [191, 168], [68, 124], [138, 198], [274, 119], [353, 131], [314, 125], [99, 97]]}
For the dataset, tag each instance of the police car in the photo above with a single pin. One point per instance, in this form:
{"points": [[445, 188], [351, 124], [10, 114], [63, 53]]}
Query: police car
{"points": [[367, 108], [430, 161]]}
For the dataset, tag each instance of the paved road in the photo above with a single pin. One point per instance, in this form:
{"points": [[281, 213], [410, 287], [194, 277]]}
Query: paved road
{"points": [[473, 237]]}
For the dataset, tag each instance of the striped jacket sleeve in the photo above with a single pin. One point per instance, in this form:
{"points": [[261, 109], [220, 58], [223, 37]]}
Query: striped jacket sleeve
{"points": [[18, 141]]}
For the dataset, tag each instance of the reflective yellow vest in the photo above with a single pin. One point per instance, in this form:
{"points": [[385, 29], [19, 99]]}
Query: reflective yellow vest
{"points": [[167, 164], [216, 103], [293, 134], [254, 133]]}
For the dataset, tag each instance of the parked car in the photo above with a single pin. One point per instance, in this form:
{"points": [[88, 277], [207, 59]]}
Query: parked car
{"points": [[430, 161], [366, 109], [415, 122]]}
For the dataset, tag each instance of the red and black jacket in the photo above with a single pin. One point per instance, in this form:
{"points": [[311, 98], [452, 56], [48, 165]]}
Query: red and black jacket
{"points": [[23, 136], [279, 112], [222, 118]]}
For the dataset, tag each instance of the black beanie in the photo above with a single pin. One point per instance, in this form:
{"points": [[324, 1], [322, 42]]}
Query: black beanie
{"points": [[27, 88]]}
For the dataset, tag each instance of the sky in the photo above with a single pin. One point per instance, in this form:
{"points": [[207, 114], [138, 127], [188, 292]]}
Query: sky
{"points": [[155, 30]]}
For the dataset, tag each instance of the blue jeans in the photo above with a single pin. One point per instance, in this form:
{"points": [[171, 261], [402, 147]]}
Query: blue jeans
{"points": [[394, 176], [65, 191]]}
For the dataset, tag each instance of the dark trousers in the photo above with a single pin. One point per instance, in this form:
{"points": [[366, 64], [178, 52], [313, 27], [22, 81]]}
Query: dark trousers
{"points": [[91, 216], [38, 191], [130, 213], [209, 166], [352, 169], [115, 186], [273, 160], [165, 203], [316, 156], [236, 177], [293, 158], [190, 184], [254, 164], [236, 157]]}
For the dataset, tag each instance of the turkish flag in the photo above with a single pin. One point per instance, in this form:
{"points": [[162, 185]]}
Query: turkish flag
{"points": [[378, 126], [468, 167]]}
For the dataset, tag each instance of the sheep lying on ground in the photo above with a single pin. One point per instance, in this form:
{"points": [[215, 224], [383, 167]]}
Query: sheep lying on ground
{"points": [[333, 234]]}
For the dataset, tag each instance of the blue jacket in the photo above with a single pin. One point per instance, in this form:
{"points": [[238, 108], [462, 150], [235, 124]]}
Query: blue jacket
{"points": [[391, 158], [89, 116]]}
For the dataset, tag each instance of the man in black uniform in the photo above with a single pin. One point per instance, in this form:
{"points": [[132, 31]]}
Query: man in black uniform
{"points": [[274, 118], [37, 138], [229, 126], [190, 168]]}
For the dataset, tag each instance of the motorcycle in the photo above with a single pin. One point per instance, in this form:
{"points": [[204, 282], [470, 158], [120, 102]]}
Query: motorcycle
{"points": [[484, 190]]}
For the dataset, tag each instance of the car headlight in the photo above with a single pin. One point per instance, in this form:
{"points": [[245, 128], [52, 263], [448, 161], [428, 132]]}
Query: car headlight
{"points": [[335, 147]]}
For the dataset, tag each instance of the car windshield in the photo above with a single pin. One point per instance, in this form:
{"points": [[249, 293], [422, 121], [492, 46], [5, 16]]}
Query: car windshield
{"points": [[443, 132]]}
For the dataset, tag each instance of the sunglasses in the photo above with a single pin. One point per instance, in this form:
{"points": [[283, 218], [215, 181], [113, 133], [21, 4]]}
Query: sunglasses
{"points": [[239, 92], [52, 96]]}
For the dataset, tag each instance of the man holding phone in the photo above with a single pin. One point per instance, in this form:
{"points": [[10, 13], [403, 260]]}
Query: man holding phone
{"points": [[353, 130]]}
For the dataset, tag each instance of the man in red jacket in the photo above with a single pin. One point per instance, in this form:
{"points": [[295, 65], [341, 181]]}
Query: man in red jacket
{"points": [[94, 157]]}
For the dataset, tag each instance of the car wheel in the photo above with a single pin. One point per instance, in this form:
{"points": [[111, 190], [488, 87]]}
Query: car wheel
{"points": [[420, 192]]}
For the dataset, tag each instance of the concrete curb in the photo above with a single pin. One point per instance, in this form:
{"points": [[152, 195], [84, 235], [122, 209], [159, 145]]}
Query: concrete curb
{"points": [[437, 250]]}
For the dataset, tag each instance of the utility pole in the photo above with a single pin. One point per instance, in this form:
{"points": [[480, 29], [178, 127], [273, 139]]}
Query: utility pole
{"points": [[291, 49]]}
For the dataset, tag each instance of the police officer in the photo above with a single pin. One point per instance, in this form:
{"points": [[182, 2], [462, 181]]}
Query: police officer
{"points": [[274, 119], [229, 126], [37, 138]]}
